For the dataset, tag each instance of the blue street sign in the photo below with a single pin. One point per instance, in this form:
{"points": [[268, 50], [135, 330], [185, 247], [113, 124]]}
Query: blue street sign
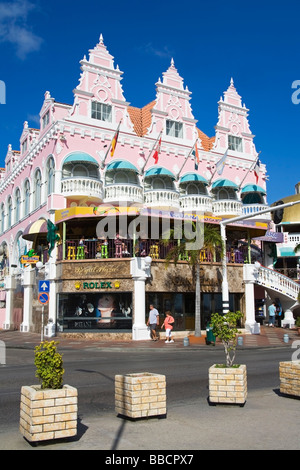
{"points": [[44, 286], [44, 298]]}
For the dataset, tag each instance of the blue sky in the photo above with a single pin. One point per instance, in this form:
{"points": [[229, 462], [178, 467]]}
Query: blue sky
{"points": [[256, 43]]}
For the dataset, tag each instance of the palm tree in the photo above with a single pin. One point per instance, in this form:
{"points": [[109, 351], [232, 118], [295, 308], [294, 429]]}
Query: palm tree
{"points": [[211, 241]]}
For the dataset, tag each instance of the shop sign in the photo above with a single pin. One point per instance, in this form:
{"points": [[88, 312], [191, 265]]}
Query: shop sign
{"points": [[29, 259], [98, 285]]}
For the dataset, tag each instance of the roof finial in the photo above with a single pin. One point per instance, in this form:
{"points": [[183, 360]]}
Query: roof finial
{"points": [[231, 82], [172, 62], [101, 39]]}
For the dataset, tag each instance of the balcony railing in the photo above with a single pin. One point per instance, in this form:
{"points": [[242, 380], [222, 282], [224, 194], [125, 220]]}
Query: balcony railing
{"points": [[227, 207], [196, 202], [124, 192], [250, 209], [82, 187], [126, 248], [162, 198]]}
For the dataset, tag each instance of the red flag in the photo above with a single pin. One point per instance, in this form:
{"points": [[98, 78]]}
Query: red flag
{"points": [[114, 143], [157, 151]]}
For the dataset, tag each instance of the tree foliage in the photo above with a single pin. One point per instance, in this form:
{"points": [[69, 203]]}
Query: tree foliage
{"points": [[49, 365], [225, 328]]}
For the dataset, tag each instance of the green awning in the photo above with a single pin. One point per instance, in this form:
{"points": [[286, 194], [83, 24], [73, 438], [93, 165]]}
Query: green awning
{"points": [[81, 157], [193, 177], [224, 183], [159, 171], [253, 188], [121, 165]]}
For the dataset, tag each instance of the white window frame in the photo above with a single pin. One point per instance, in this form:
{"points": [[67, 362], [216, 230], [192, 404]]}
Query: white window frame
{"points": [[101, 111], [235, 143], [174, 129]]}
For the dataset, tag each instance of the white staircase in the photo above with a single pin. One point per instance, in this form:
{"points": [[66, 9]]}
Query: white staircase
{"points": [[277, 282], [277, 285]]}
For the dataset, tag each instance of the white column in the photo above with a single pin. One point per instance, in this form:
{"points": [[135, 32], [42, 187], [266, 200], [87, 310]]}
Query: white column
{"points": [[140, 271], [29, 279], [10, 286], [250, 324], [139, 327], [225, 288]]}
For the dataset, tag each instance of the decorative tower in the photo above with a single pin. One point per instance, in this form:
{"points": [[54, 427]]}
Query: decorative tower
{"points": [[99, 95], [172, 108], [233, 131]]}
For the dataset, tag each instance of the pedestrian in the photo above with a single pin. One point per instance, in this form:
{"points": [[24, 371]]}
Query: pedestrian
{"points": [[278, 314], [153, 321], [168, 325], [272, 313]]}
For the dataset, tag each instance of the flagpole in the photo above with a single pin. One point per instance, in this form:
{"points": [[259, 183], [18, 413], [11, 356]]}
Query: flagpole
{"points": [[250, 169], [210, 181], [103, 161], [186, 159], [150, 153]]}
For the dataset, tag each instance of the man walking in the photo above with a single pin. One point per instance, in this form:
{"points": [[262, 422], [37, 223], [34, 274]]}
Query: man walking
{"points": [[153, 321], [272, 313]]}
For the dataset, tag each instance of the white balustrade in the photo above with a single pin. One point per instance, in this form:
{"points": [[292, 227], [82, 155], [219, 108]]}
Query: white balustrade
{"points": [[250, 209], [162, 198], [227, 207], [278, 282], [124, 192], [196, 202], [82, 187]]}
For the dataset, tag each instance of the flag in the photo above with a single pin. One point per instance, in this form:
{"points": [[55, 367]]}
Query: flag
{"points": [[157, 151], [114, 143], [221, 163], [195, 154], [256, 170]]}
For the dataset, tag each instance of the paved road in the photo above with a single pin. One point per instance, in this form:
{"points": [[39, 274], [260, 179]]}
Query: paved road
{"points": [[267, 421]]}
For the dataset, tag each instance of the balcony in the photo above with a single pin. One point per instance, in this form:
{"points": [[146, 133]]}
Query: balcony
{"points": [[196, 202], [250, 209], [94, 249], [82, 187], [159, 198], [227, 207], [123, 192]]}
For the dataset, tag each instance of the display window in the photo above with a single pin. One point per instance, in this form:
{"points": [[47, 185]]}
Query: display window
{"points": [[95, 311]]}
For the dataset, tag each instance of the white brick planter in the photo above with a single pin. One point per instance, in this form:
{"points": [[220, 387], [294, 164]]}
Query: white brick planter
{"points": [[140, 395], [228, 384], [48, 414], [289, 374]]}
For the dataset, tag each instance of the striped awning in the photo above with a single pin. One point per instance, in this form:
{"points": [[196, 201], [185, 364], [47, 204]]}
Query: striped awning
{"points": [[39, 226]]}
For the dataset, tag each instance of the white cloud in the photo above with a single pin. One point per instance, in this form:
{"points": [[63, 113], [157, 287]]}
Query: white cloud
{"points": [[14, 28], [151, 50]]}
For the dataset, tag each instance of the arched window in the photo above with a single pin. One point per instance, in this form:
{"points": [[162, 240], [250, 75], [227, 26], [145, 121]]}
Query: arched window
{"points": [[26, 197], [2, 213], [18, 205], [50, 176], [80, 170], [38, 187], [121, 177], [9, 212], [158, 183]]}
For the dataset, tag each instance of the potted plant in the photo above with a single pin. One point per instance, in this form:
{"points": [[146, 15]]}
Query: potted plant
{"points": [[48, 410], [227, 382]]}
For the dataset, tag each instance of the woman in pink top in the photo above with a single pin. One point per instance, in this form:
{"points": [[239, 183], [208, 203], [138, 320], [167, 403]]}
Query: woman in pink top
{"points": [[168, 325]]}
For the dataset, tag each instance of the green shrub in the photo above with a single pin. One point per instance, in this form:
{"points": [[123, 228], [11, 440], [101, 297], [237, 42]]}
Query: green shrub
{"points": [[225, 328], [298, 322], [49, 365]]}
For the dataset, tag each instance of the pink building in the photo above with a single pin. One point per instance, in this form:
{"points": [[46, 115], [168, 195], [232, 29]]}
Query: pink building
{"points": [[163, 165]]}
